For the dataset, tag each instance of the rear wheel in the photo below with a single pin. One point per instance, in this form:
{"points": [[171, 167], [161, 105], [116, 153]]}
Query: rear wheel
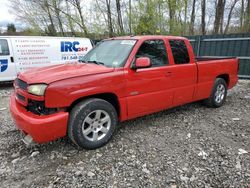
{"points": [[218, 95], [92, 123]]}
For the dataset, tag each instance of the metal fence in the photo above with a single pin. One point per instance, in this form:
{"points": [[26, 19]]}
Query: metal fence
{"points": [[237, 45]]}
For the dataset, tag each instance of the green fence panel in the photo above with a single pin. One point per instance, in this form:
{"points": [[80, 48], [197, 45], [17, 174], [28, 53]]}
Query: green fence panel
{"points": [[231, 45]]}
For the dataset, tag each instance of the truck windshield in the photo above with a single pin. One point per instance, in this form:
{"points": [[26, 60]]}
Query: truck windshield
{"points": [[111, 53]]}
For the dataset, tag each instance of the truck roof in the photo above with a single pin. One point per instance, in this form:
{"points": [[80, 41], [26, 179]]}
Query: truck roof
{"points": [[147, 37]]}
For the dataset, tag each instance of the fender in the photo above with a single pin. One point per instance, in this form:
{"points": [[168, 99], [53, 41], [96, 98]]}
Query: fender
{"points": [[63, 93]]}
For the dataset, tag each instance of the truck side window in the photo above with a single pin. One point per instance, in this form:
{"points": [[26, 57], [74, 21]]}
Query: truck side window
{"points": [[155, 50], [4, 48], [180, 52]]}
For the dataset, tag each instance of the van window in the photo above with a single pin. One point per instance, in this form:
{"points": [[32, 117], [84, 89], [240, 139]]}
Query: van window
{"points": [[155, 50], [4, 48], [180, 52]]}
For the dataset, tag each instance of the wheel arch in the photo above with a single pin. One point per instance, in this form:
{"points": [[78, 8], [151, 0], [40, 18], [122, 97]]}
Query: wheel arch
{"points": [[225, 77], [109, 97]]}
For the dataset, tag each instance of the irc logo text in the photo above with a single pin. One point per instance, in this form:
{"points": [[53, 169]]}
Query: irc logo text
{"points": [[67, 46]]}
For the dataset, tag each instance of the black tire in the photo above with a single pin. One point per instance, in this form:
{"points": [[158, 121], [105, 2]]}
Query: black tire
{"points": [[78, 120], [212, 101]]}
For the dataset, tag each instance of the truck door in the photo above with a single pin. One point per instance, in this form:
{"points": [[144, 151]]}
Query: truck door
{"points": [[184, 72], [149, 89], [7, 65]]}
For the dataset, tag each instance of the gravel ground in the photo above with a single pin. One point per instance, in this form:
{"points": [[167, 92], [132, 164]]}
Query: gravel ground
{"points": [[188, 146]]}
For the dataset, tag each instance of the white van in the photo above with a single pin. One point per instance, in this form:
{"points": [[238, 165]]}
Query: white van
{"points": [[20, 53]]}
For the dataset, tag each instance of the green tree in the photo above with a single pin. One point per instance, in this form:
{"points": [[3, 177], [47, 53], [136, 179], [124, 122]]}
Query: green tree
{"points": [[147, 20], [11, 28], [50, 30]]}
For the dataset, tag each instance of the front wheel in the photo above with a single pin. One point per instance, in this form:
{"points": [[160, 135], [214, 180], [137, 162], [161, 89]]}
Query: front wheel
{"points": [[218, 95], [92, 123]]}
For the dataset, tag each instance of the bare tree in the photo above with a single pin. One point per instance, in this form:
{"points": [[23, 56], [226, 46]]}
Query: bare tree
{"points": [[222, 16], [247, 17], [203, 15], [218, 21], [56, 6], [191, 29], [68, 16], [119, 15], [46, 7], [59, 17], [185, 10], [160, 15], [230, 15], [242, 13], [130, 19], [110, 25], [77, 4]]}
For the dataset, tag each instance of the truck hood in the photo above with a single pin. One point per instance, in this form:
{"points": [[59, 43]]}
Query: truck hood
{"points": [[59, 72]]}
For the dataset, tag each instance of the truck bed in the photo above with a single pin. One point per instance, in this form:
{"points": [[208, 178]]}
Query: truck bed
{"points": [[210, 67]]}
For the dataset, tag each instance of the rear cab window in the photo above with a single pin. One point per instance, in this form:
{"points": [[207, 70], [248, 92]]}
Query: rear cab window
{"points": [[179, 51], [4, 48]]}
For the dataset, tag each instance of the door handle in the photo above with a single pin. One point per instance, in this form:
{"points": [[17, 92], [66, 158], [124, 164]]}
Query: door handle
{"points": [[168, 74], [11, 59]]}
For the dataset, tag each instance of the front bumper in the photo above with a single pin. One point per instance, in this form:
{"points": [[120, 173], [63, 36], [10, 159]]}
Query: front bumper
{"points": [[41, 128]]}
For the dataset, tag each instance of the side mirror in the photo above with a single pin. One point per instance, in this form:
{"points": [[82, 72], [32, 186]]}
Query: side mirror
{"points": [[142, 62]]}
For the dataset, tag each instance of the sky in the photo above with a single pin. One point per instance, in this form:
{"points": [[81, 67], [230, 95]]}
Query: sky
{"points": [[6, 17]]}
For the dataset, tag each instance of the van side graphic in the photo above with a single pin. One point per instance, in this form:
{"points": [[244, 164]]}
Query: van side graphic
{"points": [[3, 64], [21, 53]]}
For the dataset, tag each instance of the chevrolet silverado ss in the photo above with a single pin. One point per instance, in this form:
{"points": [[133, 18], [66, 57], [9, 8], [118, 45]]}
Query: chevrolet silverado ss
{"points": [[120, 79]]}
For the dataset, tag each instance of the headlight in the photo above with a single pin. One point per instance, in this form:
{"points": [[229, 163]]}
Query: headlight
{"points": [[37, 89]]}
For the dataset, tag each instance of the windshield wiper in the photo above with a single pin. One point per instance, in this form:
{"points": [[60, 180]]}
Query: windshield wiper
{"points": [[81, 61], [95, 62]]}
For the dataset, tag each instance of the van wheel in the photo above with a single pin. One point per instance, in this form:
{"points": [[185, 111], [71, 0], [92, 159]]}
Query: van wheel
{"points": [[92, 123], [218, 95]]}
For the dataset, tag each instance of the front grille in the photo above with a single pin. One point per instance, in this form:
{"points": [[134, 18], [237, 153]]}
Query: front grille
{"points": [[21, 84], [20, 97]]}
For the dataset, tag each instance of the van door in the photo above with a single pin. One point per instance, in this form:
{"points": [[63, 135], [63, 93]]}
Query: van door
{"points": [[7, 65]]}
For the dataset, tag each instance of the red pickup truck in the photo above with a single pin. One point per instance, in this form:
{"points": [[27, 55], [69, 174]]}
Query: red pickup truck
{"points": [[120, 79]]}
